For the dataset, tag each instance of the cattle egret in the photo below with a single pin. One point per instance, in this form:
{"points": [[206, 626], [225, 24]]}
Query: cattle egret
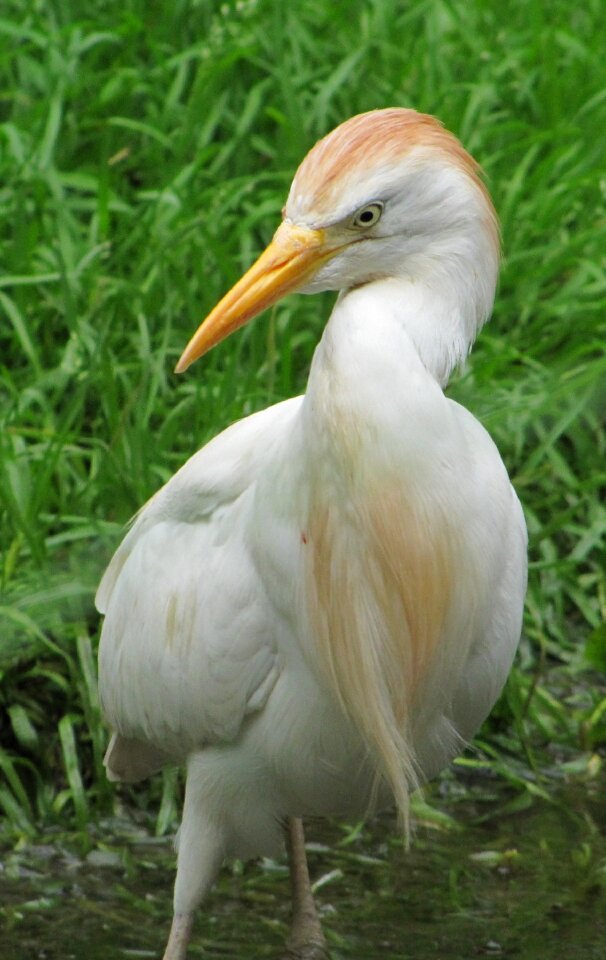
{"points": [[321, 607]]}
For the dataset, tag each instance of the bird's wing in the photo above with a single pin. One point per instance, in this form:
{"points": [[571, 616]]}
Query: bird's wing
{"points": [[476, 650], [501, 542], [188, 643]]}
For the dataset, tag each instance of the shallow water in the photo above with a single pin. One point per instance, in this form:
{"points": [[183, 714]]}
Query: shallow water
{"points": [[529, 886]]}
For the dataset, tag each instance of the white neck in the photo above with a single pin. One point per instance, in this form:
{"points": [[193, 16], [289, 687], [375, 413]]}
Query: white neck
{"points": [[369, 382], [441, 300], [407, 316], [440, 327], [391, 345]]}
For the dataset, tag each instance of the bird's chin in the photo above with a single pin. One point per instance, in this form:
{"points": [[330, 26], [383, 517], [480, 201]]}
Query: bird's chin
{"points": [[311, 288], [328, 277]]}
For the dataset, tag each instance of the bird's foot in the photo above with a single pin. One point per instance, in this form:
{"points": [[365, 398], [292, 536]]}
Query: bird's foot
{"points": [[306, 940], [311, 950], [180, 932]]}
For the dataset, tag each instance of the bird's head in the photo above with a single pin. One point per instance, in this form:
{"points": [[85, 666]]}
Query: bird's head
{"points": [[389, 193]]}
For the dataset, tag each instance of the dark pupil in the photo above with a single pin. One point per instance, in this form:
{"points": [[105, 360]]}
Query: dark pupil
{"points": [[367, 216]]}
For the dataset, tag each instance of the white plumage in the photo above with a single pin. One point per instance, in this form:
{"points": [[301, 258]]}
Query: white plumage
{"points": [[323, 604]]}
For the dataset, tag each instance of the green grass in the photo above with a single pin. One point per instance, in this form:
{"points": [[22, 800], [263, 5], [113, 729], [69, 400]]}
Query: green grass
{"points": [[145, 153]]}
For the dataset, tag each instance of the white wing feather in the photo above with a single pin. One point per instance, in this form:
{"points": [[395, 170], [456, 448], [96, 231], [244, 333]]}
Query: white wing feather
{"points": [[187, 647]]}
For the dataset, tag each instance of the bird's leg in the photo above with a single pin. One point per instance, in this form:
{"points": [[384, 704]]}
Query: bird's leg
{"points": [[200, 852], [176, 948], [306, 940]]}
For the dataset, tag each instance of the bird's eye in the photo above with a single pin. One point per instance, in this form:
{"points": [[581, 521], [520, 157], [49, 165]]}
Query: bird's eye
{"points": [[368, 215]]}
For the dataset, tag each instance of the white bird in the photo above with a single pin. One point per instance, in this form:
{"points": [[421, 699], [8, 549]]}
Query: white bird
{"points": [[321, 607]]}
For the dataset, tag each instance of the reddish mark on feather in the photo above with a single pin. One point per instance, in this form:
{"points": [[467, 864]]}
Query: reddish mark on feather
{"points": [[303, 537]]}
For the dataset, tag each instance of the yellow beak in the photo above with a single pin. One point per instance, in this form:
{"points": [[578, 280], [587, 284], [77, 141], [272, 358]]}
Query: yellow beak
{"points": [[292, 257]]}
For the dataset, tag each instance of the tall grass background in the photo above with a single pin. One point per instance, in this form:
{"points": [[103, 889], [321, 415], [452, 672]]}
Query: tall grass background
{"points": [[145, 153]]}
